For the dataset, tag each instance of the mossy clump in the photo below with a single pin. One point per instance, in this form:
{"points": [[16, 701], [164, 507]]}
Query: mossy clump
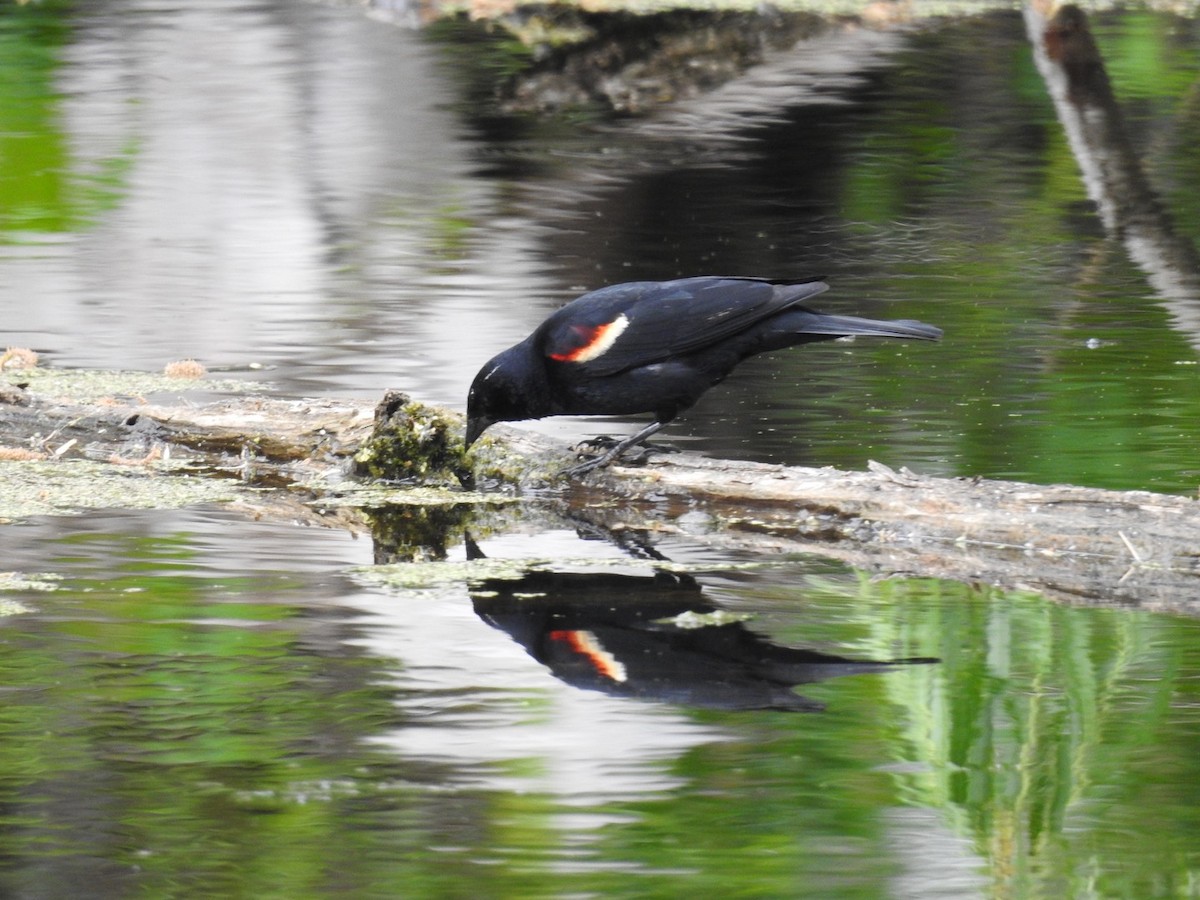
{"points": [[413, 443], [417, 533]]}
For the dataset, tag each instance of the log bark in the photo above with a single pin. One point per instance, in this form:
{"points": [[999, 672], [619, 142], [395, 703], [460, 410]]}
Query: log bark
{"points": [[1070, 543]]}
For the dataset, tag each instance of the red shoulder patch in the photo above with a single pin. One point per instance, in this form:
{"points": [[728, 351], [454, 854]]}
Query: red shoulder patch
{"points": [[590, 342]]}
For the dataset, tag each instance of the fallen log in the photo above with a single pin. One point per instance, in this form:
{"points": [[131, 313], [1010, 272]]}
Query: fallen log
{"points": [[1070, 543]]}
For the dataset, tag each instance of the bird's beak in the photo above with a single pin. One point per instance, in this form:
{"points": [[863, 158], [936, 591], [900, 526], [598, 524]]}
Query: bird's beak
{"points": [[476, 426]]}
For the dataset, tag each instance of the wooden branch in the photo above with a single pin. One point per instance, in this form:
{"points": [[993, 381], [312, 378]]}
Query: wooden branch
{"points": [[1070, 543]]}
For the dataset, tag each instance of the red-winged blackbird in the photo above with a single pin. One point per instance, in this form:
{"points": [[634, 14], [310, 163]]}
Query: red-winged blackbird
{"points": [[653, 346]]}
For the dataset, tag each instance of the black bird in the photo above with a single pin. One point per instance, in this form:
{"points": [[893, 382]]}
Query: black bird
{"points": [[653, 346]]}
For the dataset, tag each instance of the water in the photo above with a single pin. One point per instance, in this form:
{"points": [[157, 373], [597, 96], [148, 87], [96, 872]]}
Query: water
{"points": [[299, 195], [301, 189], [207, 705]]}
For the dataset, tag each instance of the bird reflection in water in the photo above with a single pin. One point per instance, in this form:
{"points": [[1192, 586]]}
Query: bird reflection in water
{"points": [[654, 637]]}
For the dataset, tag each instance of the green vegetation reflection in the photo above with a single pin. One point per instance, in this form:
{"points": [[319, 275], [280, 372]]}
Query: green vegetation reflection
{"points": [[1042, 739], [41, 190], [188, 730], [214, 730]]}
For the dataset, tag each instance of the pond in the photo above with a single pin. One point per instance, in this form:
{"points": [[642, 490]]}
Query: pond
{"points": [[203, 705], [316, 202]]}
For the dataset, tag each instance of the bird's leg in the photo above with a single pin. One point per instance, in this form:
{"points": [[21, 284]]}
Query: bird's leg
{"points": [[608, 456]]}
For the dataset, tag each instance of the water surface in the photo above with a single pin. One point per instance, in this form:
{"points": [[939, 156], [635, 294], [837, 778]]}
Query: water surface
{"points": [[299, 188], [209, 704], [304, 197]]}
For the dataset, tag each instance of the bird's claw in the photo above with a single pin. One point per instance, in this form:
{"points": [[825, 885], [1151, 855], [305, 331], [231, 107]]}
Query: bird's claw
{"points": [[586, 466], [604, 442], [611, 450], [637, 455], [599, 442]]}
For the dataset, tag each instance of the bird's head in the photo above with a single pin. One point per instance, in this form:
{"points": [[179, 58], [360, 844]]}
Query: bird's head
{"points": [[503, 391]]}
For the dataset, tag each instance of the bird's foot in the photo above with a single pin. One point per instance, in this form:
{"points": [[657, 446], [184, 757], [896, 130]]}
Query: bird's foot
{"points": [[604, 442], [587, 465], [613, 449], [599, 442]]}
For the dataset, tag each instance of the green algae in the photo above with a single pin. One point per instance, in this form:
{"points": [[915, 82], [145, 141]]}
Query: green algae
{"points": [[56, 487], [493, 463], [439, 573], [375, 496], [25, 581], [718, 617], [91, 385], [405, 576]]}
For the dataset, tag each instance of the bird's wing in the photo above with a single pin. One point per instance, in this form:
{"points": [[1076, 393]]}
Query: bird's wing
{"points": [[637, 324]]}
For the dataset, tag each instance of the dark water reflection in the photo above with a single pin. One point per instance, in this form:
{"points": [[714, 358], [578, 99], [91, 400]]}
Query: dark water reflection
{"points": [[209, 705], [349, 225], [654, 637]]}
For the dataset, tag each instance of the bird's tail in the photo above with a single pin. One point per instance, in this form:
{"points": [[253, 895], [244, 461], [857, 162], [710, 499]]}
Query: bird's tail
{"points": [[807, 322]]}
